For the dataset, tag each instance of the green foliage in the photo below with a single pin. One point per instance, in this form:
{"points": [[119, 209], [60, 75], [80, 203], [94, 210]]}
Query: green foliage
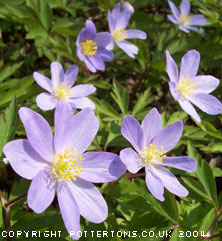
{"points": [[33, 33]]}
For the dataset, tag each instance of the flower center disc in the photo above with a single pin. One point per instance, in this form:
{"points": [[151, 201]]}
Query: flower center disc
{"points": [[186, 86], [152, 155], [119, 34], [62, 92], [66, 165], [184, 19], [89, 48]]}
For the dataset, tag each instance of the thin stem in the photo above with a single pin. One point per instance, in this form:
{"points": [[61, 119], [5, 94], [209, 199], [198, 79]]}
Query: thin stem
{"points": [[211, 237], [16, 200]]}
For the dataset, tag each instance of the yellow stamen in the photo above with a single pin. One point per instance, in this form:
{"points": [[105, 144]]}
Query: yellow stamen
{"points": [[184, 19], [152, 155], [186, 86], [65, 165], [119, 34], [62, 92], [89, 48]]}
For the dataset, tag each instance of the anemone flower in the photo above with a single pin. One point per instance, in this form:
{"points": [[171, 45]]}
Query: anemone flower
{"points": [[91, 47], [183, 19], [189, 87], [151, 143], [61, 164], [118, 21], [60, 88]]}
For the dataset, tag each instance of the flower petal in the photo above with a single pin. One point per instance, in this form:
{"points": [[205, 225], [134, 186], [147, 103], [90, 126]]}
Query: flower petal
{"points": [[45, 101], [122, 19], [190, 64], [71, 74], [170, 181], [207, 103], [103, 39], [185, 8], [57, 73], [134, 33], [116, 10], [90, 31], [129, 48], [89, 64], [171, 68], [189, 109], [185, 29], [90, 201], [101, 167], [80, 54], [206, 83], [198, 20], [43, 81], [184, 163], [82, 103], [151, 125], [105, 53], [172, 19], [63, 117], [133, 132], [174, 10], [69, 210], [24, 160], [111, 22], [176, 95], [38, 131], [82, 90], [41, 192], [154, 184], [169, 136], [85, 126], [127, 6], [131, 159], [97, 62]]}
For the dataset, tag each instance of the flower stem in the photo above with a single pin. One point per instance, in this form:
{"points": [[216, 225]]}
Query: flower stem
{"points": [[16, 200]]}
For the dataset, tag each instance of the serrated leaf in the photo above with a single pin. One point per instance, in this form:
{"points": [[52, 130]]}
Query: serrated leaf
{"points": [[8, 124], [45, 14], [9, 70]]}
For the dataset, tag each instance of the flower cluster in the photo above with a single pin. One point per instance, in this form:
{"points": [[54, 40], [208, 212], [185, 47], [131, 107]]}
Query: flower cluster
{"points": [[60, 163]]}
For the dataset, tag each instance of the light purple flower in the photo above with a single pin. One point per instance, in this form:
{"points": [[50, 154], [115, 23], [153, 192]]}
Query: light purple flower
{"points": [[118, 21], [127, 6], [91, 47], [60, 88], [61, 164], [183, 18], [151, 143], [187, 87]]}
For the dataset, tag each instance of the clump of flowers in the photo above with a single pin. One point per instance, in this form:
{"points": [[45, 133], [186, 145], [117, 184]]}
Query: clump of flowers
{"points": [[184, 19], [60, 88], [118, 21], [151, 144], [61, 164], [189, 87], [91, 47]]}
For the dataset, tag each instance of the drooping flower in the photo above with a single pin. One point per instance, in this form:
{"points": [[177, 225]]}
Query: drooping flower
{"points": [[60, 88], [185, 21], [91, 47], [187, 87], [151, 143], [118, 21], [61, 163]]}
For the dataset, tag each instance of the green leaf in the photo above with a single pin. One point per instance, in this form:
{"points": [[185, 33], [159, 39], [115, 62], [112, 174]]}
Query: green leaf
{"points": [[121, 97], [176, 116], [143, 100], [8, 124], [45, 14], [9, 70], [215, 148], [204, 174]]}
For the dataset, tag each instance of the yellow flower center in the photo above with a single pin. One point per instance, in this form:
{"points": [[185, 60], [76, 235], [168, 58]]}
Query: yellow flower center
{"points": [[62, 92], [152, 155], [186, 86], [89, 48], [184, 19], [119, 34], [66, 165]]}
